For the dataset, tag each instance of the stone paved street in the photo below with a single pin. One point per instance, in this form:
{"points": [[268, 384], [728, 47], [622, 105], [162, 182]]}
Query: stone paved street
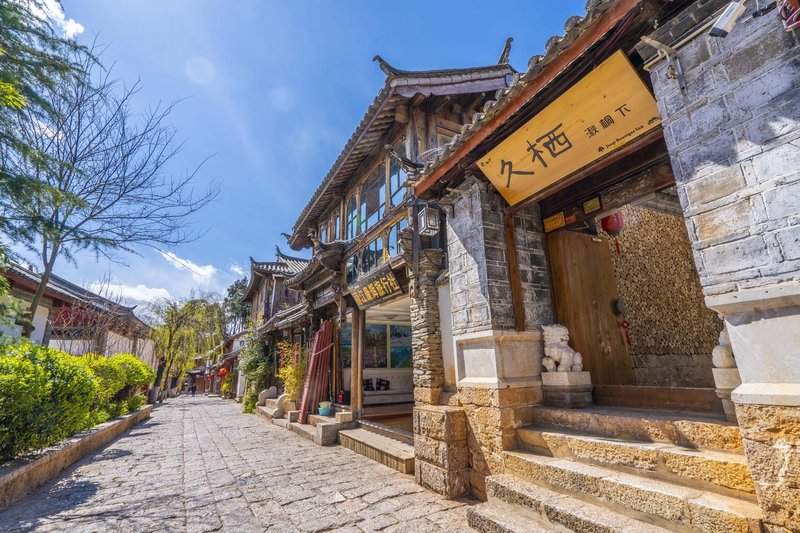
{"points": [[201, 465]]}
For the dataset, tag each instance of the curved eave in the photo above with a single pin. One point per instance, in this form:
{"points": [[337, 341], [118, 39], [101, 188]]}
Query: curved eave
{"points": [[378, 120], [580, 34]]}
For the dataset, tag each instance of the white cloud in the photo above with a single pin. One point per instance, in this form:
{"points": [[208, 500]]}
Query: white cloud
{"points": [[52, 10], [200, 70], [236, 269], [281, 98], [137, 293], [203, 274]]}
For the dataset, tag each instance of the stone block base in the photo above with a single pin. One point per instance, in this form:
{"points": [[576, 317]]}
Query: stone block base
{"points": [[727, 379], [567, 389], [441, 456], [771, 438], [450, 483], [441, 422], [427, 395]]}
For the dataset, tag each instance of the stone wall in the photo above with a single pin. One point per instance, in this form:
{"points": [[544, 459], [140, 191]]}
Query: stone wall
{"points": [[734, 143], [478, 260], [426, 335], [672, 331]]}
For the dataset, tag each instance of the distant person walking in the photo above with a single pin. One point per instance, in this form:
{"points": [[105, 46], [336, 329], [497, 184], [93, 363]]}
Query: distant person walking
{"points": [[193, 389]]}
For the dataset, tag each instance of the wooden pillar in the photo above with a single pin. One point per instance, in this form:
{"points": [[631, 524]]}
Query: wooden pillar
{"points": [[357, 363]]}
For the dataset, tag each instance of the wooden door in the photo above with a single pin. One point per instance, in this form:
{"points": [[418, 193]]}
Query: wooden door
{"points": [[584, 291]]}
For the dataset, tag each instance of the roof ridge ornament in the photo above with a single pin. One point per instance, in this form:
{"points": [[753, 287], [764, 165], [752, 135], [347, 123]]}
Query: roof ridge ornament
{"points": [[386, 67], [504, 55]]}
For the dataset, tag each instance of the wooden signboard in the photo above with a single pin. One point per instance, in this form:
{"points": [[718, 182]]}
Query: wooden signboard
{"points": [[375, 288], [606, 109]]}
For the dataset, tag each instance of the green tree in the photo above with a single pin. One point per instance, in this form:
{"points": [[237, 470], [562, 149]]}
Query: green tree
{"points": [[33, 61], [236, 310], [106, 164], [183, 330]]}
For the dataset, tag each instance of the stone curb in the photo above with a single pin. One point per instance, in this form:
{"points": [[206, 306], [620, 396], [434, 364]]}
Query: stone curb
{"points": [[22, 475]]}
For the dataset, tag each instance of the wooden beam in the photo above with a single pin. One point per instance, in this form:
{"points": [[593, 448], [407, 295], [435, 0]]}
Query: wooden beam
{"points": [[561, 62], [513, 272]]}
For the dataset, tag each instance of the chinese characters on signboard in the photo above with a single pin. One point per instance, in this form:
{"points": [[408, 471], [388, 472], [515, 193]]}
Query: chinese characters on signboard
{"points": [[375, 288], [608, 108]]}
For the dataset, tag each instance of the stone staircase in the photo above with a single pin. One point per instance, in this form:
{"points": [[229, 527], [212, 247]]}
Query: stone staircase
{"points": [[610, 469], [269, 410], [394, 448], [323, 430]]}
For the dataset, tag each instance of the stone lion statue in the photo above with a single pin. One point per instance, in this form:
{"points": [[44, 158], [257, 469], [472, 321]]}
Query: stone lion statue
{"points": [[558, 352]]}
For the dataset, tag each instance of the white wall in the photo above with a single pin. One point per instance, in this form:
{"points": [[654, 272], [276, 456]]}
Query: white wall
{"points": [[241, 386], [446, 328], [39, 321], [116, 343], [147, 352], [72, 346]]}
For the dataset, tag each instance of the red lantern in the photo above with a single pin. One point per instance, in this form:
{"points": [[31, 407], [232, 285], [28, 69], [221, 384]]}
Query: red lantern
{"points": [[223, 371], [613, 224]]}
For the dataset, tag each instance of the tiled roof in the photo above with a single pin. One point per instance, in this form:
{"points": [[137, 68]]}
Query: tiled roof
{"points": [[284, 265], [573, 27], [75, 294], [400, 85]]}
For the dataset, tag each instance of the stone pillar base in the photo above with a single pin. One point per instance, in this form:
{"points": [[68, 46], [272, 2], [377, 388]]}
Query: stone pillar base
{"points": [[771, 438], [441, 456], [727, 379], [567, 389]]}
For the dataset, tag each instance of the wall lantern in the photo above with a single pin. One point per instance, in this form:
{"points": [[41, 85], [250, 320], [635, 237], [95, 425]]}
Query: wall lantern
{"points": [[428, 221], [613, 224]]}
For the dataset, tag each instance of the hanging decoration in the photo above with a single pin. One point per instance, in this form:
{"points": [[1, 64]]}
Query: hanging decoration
{"points": [[613, 224]]}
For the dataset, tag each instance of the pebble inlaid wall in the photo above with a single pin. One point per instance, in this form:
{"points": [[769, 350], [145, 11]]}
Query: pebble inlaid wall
{"points": [[672, 332]]}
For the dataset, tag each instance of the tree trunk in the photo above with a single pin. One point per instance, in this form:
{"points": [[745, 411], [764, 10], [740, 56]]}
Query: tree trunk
{"points": [[28, 328], [152, 396]]}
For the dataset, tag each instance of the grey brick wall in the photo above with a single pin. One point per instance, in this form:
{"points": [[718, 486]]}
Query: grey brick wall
{"points": [[734, 142], [478, 261]]}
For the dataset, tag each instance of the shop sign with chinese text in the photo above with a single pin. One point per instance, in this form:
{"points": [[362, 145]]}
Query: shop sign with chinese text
{"points": [[606, 109], [375, 288]]}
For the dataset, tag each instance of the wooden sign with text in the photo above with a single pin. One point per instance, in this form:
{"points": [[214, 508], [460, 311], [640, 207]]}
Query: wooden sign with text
{"points": [[606, 109], [375, 288]]}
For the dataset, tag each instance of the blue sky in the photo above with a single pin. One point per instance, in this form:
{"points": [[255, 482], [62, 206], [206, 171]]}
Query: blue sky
{"points": [[272, 91]]}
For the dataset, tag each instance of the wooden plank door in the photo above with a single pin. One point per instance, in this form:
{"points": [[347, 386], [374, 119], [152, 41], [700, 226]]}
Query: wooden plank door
{"points": [[584, 290]]}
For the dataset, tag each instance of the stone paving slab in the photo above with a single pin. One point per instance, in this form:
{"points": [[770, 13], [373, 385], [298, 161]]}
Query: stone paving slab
{"points": [[200, 465]]}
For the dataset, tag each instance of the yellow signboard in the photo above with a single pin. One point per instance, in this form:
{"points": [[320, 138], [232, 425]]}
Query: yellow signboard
{"points": [[554, 222], [375, 288], [606, 109]]}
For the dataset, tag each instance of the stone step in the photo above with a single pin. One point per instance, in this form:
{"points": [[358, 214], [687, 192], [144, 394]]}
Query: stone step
{"points": [[304, 430], [272, 403], [282, 422], [266, 412], [319, 419], [694, 430], [388, 431], [646, 498], [498, 517], [717, 469], [391, 452], [551, 510]]}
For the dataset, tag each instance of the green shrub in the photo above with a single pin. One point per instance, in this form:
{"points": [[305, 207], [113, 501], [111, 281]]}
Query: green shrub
{"points": [[250, 400], [45, 396], [111, 377], [136, 402], [135, 372]]}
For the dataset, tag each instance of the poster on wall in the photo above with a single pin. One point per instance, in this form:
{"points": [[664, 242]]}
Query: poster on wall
{"points": [[606, 109]]}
